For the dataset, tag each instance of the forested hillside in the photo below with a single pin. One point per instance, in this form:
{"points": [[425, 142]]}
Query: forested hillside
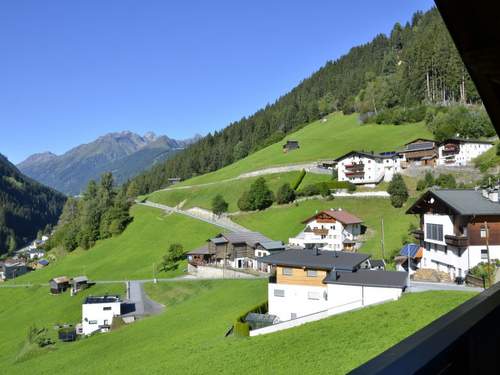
{"points": [[25, 207], [410, 75]]}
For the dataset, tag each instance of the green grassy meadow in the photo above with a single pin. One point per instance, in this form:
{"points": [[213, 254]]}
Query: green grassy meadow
{"points": [[286, 221], [322, 140], [188, 337], [201, 196], [130, 255]]}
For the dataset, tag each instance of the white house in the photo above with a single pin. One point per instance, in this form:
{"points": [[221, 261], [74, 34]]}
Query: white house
{"points": [[368, 168], [458, 227], [98, 313], [330, 230], [317, 282], [460, 152]]}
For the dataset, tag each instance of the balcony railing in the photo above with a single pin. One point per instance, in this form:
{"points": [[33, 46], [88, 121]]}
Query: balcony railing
{"points": [[418, 234], [456, 241], [463, 341]]}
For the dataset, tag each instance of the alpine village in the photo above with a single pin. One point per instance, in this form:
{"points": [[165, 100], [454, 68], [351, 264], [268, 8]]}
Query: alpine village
{"points": [[309, 237]]}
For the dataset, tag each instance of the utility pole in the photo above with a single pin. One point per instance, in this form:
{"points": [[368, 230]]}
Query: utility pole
{"points": [[488, 252], [382, 240]]}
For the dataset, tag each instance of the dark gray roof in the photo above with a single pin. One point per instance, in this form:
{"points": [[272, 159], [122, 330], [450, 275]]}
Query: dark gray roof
{"points": [[263, 318], [272, 245], [463, 201], [102, 299], [321, 259], [420, 146], [250, 238], [387, 279], [80, 279], [383, 155], [199, 251], [466, 140], [218, 240]]}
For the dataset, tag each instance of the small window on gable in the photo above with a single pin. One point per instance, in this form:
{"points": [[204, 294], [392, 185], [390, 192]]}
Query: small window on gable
{"points": [[106, 308]]}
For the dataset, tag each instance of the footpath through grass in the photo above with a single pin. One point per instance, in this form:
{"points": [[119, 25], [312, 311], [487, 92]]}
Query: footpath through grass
{"points": [[132, 254], [322, 140], [189, 336], [284, 222]]}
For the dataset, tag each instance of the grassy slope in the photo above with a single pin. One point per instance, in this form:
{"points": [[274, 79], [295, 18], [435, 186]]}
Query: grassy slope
{"points": [[189, 336], [331, 139], [284, 222], [231, 191], [35, 306], [487, 160], [132, 254]]}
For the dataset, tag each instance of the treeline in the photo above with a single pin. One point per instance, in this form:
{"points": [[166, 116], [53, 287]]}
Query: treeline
{"points": [[417, 64], [100, 213], [25, 207]]}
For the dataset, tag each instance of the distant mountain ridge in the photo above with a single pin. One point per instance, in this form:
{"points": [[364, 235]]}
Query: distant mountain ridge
{"points": [[25, 207], [124, 153]]}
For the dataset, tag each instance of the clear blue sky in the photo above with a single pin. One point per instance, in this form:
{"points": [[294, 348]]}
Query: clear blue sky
{"points": [[73, 70]]}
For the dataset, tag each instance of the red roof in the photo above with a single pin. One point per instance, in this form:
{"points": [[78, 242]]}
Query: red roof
{"points": [[343, 216]]}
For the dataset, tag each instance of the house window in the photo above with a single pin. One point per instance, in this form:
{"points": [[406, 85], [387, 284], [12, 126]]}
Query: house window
{"points": [[293, 315], [92, 321], [107, 308], [332, 227], [484, 254], [312, 273], [279, 293], [483, 232], [434, 232], [313, 295], [287, 271]]}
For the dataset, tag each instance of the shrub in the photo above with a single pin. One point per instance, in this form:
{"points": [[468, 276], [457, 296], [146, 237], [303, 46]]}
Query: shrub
{"points": [[446, 181], [299, 179], [351, 188], [421, 185], [174, 255], [259, 197], [398, 191], [285, 194], [219, 205]]}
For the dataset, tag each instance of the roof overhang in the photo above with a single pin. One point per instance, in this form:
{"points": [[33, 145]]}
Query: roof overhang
{"points": [[429, 194], [473, 26]]}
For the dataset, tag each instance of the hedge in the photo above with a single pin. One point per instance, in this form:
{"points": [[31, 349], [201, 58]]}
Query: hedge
{"points": [[299, 180], [241, 328]]}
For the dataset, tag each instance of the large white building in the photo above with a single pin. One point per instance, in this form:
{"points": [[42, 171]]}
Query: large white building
{"points": [[98, 313], [368, 168], [325, 282], [458, 227], [460, 152], [330, 230]]}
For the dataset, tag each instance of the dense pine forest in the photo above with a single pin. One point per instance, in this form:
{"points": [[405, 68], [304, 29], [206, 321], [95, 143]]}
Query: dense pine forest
{"points": [[413, 74], [26, 207]]}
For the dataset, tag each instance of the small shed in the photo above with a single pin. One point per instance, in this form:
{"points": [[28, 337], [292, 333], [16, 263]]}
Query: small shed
{"points": [[79, 283], [59, 284], [291, 145]]}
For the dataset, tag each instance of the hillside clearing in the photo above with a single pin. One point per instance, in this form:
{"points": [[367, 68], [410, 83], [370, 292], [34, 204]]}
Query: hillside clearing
{"points": [[322, 140], [132, 254], [286, 221], [189, 336]]}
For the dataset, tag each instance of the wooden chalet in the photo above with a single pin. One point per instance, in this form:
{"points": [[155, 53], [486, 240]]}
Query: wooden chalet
{"points": [[420, 151], [59, 284]]}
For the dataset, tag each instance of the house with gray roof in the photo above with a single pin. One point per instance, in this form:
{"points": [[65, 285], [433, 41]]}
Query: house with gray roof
{"points": [[239, 250], [461, 151], [311, 282], [460, 228]]}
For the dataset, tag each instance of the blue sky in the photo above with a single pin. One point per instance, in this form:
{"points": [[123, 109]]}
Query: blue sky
{"points": [[73, 70]]}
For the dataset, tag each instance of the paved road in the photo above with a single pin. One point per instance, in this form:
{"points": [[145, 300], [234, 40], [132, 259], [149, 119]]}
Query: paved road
{"points": [[222, 222], [144, 306], [420, 286]]}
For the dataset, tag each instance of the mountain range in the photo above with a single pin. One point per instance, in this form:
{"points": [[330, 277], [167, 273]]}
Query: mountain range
{"points": [[25, 207], [125, 154]]}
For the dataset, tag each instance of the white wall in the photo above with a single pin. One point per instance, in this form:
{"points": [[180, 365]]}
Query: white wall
{"points": [[95, 315], [467, 152]]}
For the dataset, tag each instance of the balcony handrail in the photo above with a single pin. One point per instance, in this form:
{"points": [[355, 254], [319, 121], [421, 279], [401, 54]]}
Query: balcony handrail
{"points": [[463, 341]]}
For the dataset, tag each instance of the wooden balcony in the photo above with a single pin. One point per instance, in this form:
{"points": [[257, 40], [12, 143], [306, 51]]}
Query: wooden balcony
{"points": [[456, 241], [418, 234]]}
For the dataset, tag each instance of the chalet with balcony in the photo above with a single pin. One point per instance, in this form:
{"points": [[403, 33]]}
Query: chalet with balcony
{"points": [[459, 228], [460, 152], [238, 250], [333, 229], [361, 167], [327, 282], [419, 152]]}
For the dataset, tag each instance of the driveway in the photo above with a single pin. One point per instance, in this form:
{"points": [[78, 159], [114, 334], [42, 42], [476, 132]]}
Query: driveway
{"points": [[420, 286], [144, 306]]}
